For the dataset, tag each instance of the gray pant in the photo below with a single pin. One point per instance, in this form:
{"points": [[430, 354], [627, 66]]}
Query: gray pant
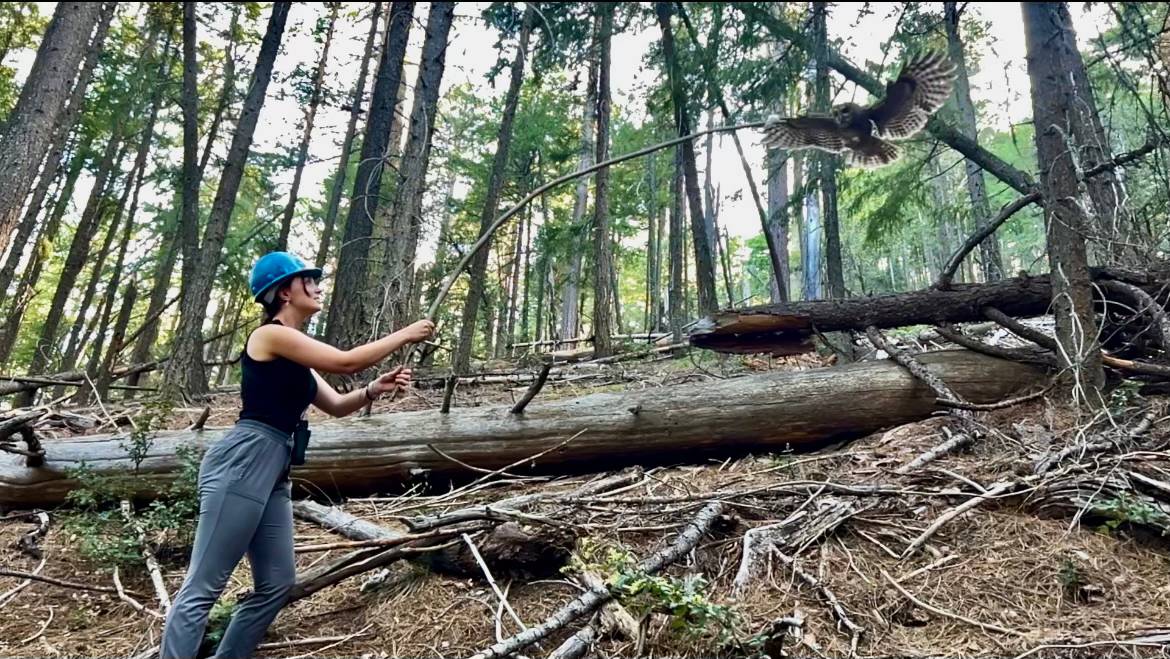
{"points": [[244, 506]]}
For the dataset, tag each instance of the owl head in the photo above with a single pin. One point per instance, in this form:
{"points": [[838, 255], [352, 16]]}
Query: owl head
{"points": [[847, 113]]}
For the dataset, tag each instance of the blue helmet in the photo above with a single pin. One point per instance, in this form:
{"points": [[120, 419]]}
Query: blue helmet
{"points": [[275, 268]]}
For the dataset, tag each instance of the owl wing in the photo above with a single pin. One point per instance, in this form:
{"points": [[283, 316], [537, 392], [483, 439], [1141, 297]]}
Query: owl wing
{"points": [[920, 90], [808, 132], [872, 152]]}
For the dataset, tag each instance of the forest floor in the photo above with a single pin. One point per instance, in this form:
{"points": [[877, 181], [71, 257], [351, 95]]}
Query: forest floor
{"points": [[1012, 577]]}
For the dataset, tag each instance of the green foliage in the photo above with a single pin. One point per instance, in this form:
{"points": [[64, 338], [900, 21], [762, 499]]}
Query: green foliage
{"points": [[96, 520], [686, 601], [1128, 509]]}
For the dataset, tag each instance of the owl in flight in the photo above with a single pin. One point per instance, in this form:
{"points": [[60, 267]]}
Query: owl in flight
{"points": [[922, 87]]}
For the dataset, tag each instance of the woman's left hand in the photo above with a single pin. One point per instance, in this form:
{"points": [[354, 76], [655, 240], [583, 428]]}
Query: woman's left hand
{"points": [[399, 378]]}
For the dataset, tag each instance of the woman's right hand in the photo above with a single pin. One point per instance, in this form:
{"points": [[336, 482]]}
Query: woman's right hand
{"points": [[418, 331]]}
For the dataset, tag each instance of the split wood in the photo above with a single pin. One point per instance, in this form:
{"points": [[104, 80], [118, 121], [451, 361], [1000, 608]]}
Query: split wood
{"points": [[594, 598]]}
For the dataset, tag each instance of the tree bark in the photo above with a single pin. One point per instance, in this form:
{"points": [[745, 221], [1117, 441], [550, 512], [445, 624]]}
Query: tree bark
{"points": [[52, 164], [827, 163], [347, 320], [185, 369], [104, 375], [461, 361], [355, 110], [1115, 240], [45, 351], [631, 427], [45, 238], [404, 215], [777, 225], [787, 328], [704, 259], [1052, 58], [307, 135], [991, 261], [602, 242], [29, 129], [570, 319], [676, 293]]}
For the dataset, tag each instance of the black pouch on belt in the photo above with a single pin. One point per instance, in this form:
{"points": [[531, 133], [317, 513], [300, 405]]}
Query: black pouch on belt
{"points": [[300, 442]]}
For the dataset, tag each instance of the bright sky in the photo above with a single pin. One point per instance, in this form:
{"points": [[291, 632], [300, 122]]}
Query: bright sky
{"points": [[1001, 82]]}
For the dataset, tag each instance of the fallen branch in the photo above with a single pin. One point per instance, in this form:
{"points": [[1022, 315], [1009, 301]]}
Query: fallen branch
{"points": [[11, 594], [5, 572], [1003, 404], [950, 333], [916, 368], [518, 408], [152, 566], [594, 598], [391, 541], [947, 614], [991, 493], [1146, 305], [953, 443]]}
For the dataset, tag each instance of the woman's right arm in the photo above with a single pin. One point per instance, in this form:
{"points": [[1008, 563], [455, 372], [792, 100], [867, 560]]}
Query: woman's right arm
{"points": [[271, 341]]}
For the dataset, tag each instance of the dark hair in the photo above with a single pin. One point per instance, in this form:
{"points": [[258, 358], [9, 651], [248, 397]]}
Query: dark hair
{"points": [[272, 308]]}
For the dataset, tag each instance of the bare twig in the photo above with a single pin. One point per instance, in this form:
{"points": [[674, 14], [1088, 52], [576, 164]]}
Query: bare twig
{"points": [[134, 604], [984, 407], [855, 630], [947, 614], [393, 541], [11, 594], [518, 408], [916, 368], [492, 582], [944, 279]]}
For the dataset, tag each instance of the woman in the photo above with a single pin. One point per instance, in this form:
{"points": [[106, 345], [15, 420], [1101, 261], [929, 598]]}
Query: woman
{"points": [[244, 503]]}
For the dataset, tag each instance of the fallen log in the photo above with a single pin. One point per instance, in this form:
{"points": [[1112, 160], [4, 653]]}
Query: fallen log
{"points": [[786, 329], [765, 412]]}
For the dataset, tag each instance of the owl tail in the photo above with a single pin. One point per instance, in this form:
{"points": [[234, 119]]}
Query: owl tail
{"points": [[873, 153]]}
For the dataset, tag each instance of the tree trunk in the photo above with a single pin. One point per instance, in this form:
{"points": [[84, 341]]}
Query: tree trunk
{"points": [[524, 294], [355, 110], [1116, 242], [374, 454], [104, 375], [49, 169], [28, 132], [347, 321], [1052, 58], [307, 136], [704, 260], [991, 262], [115, 278], [185, 369], [97, 263], [827, 163], [676, 294], [778, 220], [785, 328], [461, 361], [650, 320], [404, 216], [570, 319], [46, 349], [226, 92], [603, 288]]}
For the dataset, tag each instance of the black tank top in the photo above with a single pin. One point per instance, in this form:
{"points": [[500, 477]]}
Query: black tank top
{"points": [[275, 392]]}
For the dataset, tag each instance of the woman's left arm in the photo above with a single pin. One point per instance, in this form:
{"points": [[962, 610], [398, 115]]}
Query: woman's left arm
{"points": [[331, 402]]}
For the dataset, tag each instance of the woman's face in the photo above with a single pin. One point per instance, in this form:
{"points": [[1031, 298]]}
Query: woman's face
{"points": [[304, 295]]}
